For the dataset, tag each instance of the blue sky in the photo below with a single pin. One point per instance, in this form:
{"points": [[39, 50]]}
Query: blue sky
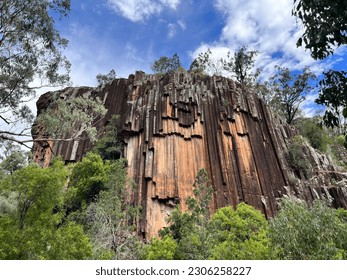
{"points": [[128, 35]]}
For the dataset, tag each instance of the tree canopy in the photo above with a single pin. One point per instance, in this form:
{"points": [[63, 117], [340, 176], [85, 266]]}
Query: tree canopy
{"points": [[300, 232], [291, 90], [30, 56], [166, 64], [325, 25], [32, 224], [325, 29], [239, 65], [103, 79]]}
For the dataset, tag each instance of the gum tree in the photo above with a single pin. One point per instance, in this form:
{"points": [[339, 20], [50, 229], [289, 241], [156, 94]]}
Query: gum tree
{"points": [[325, 29], [30, 51]]}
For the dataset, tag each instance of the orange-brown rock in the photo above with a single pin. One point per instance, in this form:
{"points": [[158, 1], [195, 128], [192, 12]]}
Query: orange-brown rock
{"points": [[176, 124]]}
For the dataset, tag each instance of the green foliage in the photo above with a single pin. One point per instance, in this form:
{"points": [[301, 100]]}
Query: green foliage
{"points": [[30, 48], [240, 65], [32, 225], [267, 92], [13, 158], [229, 234], [87, 179], [110, 217], [333, 94], [314, 132], [199, 205], [205, 63], [296, 157], [166, 64], [299, 232], [324, 25], [78, 112], [291, 90], [161, 249], [190, 228], [103, 79], [325, 29], [109, 147], [241, 234]]}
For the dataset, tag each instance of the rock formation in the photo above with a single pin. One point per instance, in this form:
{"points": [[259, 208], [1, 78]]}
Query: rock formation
{"points": [[175, 124]]}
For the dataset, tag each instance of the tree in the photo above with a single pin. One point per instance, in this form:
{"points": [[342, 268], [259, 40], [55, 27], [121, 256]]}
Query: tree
{"points": [[296, 156], [88, 178], [166, 64], [190, 228], [268, 94], [240, 234], [109, 147], [311, 129], [333, 94], [104, 79], [325, 25], [241, 66], [205, 63], [161, 249], [13, 158], [291, 90], [300, 232], [325, 28], [68, 119], [110, 218], [32, 224], [187, 231], [30, 50]]}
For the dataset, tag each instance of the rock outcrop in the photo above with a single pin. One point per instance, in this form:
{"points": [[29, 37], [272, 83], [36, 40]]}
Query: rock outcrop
{"points": [[174, 125]]}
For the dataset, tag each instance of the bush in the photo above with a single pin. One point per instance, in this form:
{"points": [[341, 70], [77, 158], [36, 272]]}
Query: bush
{"points": [[300, 232], [317, 136], [296, 157]]}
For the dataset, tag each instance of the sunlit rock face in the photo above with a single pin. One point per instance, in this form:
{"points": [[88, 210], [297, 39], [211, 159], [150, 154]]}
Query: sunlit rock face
{"points": [[173, 125]]}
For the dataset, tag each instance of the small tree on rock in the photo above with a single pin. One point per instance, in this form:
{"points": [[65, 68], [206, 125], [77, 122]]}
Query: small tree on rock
{"points": [[166, 64]]}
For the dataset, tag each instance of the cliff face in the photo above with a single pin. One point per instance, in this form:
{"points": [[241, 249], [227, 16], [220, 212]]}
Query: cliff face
{"points": [[176, 124]]}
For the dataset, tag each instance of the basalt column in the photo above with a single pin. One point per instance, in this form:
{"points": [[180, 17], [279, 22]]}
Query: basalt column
{"points": [[176, 124]]}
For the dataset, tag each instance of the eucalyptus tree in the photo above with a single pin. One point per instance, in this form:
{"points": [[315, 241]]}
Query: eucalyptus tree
{"points": [[325, 29], [239, 65], [30, 58], [291, 90], [166, 64]]}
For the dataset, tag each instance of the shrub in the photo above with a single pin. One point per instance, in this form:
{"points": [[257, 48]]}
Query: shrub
{"points": [[295, 155], [317, 136]]}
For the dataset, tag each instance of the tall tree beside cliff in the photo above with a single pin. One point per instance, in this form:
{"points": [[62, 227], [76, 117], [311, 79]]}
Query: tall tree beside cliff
{"points": [[30, 51], [291, 90], [325, 28]]}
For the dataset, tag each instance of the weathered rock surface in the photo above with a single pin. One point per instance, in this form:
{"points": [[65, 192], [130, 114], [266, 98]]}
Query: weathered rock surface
{"points": [[176, 124]]}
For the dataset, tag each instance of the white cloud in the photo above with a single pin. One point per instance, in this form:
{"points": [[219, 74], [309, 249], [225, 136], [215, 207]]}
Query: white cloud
{"points": [[138, 10], [269, 27], [182, 24], [172, 28], [264, 25], [171, 3]]}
